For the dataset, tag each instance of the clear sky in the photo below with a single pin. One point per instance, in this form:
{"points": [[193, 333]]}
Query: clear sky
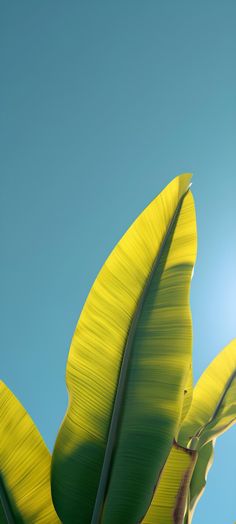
{"points": [[102, 104]]}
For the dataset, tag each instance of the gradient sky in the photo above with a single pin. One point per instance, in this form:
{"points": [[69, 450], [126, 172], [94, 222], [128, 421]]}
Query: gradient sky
{"points": [[102, 104]]}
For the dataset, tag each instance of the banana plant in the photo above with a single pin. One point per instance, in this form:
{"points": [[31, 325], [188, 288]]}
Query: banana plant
{"points": [[136, 440]]}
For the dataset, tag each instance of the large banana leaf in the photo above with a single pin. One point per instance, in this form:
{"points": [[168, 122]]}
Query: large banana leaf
{"points": [[127, 367], [25, 494], [170, 497], [213, 407], [199, 478]]}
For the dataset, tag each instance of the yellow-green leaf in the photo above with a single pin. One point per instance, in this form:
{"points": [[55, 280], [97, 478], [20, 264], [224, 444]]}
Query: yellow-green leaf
{"points": [[199, 478], [170, 497], [127, 367], [167, 506], [213, 407], [188, 393], [25, 494]]}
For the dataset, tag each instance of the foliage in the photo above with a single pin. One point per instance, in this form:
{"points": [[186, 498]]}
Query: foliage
{"points": [[136, 442]]}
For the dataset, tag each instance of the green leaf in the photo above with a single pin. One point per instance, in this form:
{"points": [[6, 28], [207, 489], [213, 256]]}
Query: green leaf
{"points": [[25, 494], [199, 478], [3, 519], [170, 497], [213, 408], [163, 506], [188, 393], [167, 506], [127, 366]]}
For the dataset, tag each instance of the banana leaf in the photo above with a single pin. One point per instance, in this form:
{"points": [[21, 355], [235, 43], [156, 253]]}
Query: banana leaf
{"points": [[25, 494], [169, 502], [213, 408], [199, 477], [127, 366]]}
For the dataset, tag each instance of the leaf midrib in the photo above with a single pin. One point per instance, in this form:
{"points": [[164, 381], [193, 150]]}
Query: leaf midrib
{"points": [[115, 418]]}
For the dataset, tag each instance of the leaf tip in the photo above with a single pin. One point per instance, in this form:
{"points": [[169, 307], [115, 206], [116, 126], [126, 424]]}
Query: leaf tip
{"points": [[184, 180]]}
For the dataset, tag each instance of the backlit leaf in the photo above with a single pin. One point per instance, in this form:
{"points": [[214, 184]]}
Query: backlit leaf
{"points": [[25, 494], [170, 497], [213, 407], [199, 478], [127, 367]]}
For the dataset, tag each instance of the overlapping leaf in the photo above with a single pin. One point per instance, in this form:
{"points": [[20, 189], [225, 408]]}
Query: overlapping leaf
{"points": [[169, 501], [212, 411], [134, 336], [25, 494], [199, 478], [171, 492], [213, 407]]}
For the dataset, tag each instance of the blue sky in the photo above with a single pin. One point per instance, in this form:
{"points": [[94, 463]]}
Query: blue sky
{"points": [[103, 103]]}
